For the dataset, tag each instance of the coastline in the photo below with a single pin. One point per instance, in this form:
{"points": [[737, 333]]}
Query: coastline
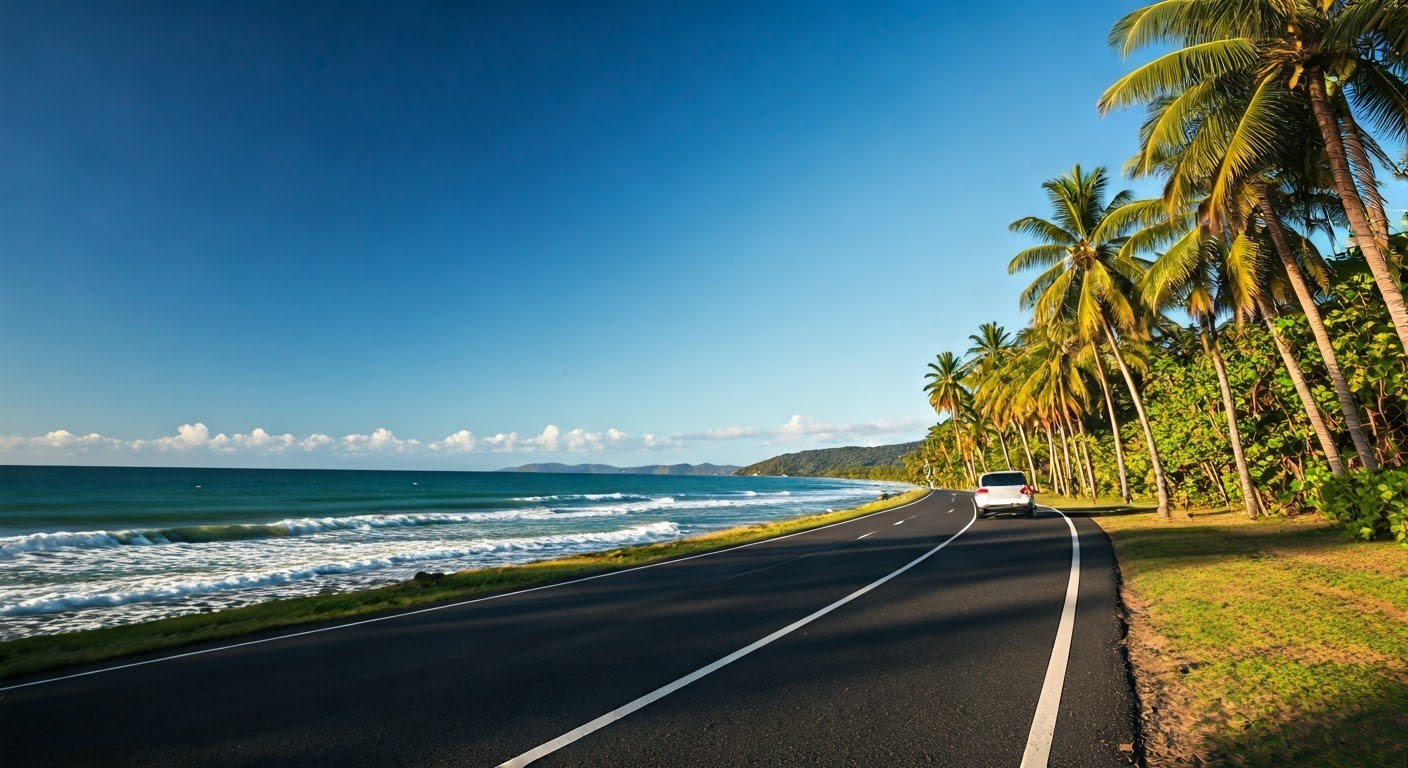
{"points": [[31, 655]]}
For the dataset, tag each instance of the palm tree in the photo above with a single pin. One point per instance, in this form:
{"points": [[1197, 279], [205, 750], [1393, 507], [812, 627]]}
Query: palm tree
{"points": [[1287, 52], [1201, 275], [1230, 168], [991, 346], [947, 393], [1086, 280]]}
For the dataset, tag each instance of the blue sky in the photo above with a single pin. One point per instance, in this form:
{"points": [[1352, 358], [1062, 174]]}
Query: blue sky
{"points": [[470, 235]]}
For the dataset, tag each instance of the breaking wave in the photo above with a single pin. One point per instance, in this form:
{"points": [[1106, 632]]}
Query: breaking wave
{"points": [[70, 601]]}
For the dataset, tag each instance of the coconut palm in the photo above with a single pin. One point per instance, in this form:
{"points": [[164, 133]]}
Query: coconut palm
{"points": [[1287, 52], [1200, 274], [1187, 139], [1085, 279], [947, 393]]}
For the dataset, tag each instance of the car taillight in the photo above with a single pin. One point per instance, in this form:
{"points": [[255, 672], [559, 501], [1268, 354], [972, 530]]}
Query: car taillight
{"points": [[1026, 490], [982, 490]]}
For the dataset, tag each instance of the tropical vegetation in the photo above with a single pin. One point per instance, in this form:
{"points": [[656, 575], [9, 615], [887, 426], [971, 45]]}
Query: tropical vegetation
{"points": [[1201, 346]]}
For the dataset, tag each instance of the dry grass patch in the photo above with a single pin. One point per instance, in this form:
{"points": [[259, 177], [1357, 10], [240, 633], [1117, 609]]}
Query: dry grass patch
{"points": [[1274, 642]]}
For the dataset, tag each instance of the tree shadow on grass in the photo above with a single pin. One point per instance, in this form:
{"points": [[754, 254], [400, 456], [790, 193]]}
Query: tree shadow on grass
{"points": [[1370, 729]]}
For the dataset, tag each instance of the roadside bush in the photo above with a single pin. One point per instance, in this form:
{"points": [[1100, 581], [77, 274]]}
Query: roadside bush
{"points": [[1370, 505]]}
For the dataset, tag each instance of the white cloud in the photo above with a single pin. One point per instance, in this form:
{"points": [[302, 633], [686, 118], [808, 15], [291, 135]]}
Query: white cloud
{"points": [[462, 441], [195, 437], [803, 428], [659, 442], [380, 441]]}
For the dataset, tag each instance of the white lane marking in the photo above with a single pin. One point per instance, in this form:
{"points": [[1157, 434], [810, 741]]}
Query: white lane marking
{"points": [[548, 748], [1038, 750], [448, 605], [901, 522], [863, 535]]}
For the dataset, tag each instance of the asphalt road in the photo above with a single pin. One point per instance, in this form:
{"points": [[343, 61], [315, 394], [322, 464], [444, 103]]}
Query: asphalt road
{"points": [[941, 664]]}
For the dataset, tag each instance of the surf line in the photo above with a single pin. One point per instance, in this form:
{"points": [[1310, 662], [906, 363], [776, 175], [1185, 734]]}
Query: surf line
{"points": [[432, 609], [547, 748], [1038, 751]]}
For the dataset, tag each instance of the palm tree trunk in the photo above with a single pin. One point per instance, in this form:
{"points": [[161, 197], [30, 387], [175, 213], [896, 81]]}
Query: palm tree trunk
{"points": [[1160, 482], [1003, 442], [1307, 401], [1362, 446], [1027, 449], [1051, 459], [1364, 237], [1363, 170], [958, 444], [1114, 422], [1084, 444], [1229, 407], [1066, 451], [1216, 478]]}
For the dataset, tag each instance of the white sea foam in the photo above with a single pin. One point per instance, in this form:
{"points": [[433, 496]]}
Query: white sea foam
{"points": [[11, 546], [157, 590]]}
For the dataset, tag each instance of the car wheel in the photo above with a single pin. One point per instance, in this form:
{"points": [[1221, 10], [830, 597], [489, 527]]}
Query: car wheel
{"points": [[1031, 511]]}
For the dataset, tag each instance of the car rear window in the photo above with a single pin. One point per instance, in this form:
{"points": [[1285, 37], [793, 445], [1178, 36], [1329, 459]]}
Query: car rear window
{"points": [[1003, 478]]}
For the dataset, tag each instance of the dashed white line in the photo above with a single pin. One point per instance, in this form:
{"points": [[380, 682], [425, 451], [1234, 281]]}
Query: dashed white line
{"points": [[899, 522], [548, 748], [863, 535], [1038, 750]]}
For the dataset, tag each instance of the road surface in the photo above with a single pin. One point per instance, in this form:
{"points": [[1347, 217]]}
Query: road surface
{"points": [[916, 636]]}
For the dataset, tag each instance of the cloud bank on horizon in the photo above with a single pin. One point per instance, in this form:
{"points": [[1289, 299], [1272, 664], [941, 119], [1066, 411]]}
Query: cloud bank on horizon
{"points": [[195, 439]]}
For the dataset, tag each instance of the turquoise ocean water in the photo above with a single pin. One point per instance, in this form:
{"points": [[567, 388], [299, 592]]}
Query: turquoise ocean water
{"points": [[85, 547]]}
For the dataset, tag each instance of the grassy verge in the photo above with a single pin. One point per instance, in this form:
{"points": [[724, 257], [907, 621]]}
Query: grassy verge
{"points": [[1085, 504], [1267, 643], [37, 654]]}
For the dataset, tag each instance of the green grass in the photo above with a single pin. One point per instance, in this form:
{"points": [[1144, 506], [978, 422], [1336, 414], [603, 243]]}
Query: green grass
{"points": [[1266, 643], [1085, 504], [37, 654]]}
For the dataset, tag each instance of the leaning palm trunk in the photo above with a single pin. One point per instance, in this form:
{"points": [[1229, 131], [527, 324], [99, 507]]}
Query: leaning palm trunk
{"points": [[1307, 401], [1066, 451], [1362, 446], [1114, 421], [1003, 442], [1051, 459], [1364, 237], [1160, 482], [1027, 449], [1364, 169], [1084, 445], [1234, 435], [1083, 454]]}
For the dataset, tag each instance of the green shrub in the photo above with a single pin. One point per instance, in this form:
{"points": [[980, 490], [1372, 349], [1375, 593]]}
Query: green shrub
{"points": [[1370, 505]]}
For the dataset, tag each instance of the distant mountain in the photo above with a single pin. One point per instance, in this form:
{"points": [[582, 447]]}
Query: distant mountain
{"points": [[607, 469], [881, 462]]}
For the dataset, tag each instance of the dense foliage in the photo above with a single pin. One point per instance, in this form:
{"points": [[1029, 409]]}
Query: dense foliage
{"points": [[883, 462], [1196, 348]]}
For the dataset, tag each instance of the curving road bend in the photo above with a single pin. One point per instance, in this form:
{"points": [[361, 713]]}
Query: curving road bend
{"points": [[916, 636]]}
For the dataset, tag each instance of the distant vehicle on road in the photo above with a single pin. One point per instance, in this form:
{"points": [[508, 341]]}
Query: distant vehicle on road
{"points": [[1004, 493]]}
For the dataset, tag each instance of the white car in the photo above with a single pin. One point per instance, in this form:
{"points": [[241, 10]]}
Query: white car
{"points": [[1004, 492]]}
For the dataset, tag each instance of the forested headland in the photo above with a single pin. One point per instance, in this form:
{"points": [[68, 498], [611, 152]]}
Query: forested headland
{"points": [[882, 462]]}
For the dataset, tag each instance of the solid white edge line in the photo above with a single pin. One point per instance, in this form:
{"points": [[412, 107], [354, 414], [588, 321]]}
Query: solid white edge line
{"points": [[459, 604], [1038, 750], [565, 739]]}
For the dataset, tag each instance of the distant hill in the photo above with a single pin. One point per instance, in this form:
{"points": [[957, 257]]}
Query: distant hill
{"points": [[879, 462], [607, 469]]}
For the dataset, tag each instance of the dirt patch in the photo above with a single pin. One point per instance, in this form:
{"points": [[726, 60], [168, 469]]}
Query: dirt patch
{"points": [[1171, 735]]}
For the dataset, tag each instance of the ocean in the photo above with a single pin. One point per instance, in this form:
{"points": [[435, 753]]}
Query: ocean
{"points": [[88, 547]]}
